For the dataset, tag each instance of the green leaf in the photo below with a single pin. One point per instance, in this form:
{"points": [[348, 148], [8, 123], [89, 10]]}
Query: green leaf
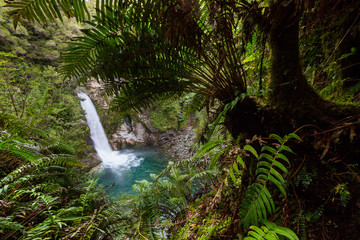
{"points": [[286, 148], [251, 149], [206, 148], [267, 156], [288, 233], [277, 137], [283, 157], [280, 166], [240, 161], [292, 136], [269, 149]]}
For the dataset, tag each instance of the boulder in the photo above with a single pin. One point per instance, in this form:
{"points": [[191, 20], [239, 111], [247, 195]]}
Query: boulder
{"points": [[130, 142]]}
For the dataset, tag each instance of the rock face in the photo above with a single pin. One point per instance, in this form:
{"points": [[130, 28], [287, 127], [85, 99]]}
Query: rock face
{"points": [[92, 162], [95, 90], [176, 144], [139, 131]]}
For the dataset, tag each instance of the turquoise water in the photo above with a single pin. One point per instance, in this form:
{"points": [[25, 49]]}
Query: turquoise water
{"points": [[147, 161]]}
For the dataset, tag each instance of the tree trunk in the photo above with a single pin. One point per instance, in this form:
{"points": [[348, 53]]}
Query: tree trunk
{"points": [[294, 99], [290, 88]]}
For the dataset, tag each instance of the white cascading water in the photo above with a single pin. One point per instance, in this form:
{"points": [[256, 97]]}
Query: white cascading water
{"points": [[112, 159]]}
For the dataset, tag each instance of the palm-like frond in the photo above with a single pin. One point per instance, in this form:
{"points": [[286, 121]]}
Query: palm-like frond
{"points": [[43, 10], [147, 50]]}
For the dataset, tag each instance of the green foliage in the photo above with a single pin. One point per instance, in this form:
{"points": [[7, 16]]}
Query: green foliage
{"points": [[165, 116], [258, 203], [38, 44], [45, 196], [149, 213], [271, 232], [210, 216], [139, 53], [344, 193], [41, 10], [35, 103]]}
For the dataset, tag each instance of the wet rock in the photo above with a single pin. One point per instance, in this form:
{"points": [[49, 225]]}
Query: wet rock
{"points": [[116, 144], [91, 161], [130, 142]]}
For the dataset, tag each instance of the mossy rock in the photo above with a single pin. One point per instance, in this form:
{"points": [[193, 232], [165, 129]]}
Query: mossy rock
{"points": [[21, 31], [50, 43], [19, 51], [4, 33]]}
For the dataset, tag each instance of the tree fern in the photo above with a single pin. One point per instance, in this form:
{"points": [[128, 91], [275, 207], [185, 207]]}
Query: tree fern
{"points": [[144, 49], [258, 203]]}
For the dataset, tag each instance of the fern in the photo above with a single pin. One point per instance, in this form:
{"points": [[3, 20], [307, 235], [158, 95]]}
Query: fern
{"points": [[258, 203], [206, 148], [34, 189], [270, 231], [44, 10]]}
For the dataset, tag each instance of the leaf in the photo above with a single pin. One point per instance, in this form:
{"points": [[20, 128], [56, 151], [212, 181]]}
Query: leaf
{"points": [[277, 137], [269, 149], [283, 157], [272, 232], [206, 148], [286, 148], [240, 161], [291, 136], [251, 149], [266, 156], [252, 209], [215, 159], [42, 11], [280, 166], [286, 232]]}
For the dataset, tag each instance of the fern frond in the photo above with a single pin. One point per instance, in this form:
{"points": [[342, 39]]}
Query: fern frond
{"points": [[258, 202], [257, 205], [81, 57], [208, 147], [8, 224], [43, 10], [271, 232]]}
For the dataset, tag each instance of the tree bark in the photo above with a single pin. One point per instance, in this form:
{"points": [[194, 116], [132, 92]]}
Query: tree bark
{"points": [[291, 91]]}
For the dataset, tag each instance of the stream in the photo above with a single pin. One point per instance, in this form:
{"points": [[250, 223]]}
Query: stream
{"points": [[120, 168]]}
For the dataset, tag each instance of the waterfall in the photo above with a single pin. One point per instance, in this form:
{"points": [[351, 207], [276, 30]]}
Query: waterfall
{"points": [[111, 159]]}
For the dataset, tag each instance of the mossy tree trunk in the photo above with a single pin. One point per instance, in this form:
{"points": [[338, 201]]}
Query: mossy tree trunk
{"points": [[291, 92], [294, 100]]}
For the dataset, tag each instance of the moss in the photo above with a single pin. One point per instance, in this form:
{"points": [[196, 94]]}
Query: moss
{"points": [[4, 33], [24, 42], [19, 51], [21, 31], [164, 116], [50, 43], [13, 40], [50, 55]]}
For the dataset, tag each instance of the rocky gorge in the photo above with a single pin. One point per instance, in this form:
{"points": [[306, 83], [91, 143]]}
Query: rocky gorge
{"points": [[136, 129]]}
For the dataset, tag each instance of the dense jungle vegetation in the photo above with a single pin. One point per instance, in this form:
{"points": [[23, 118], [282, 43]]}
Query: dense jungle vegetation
{"points": [[275, 85]]}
